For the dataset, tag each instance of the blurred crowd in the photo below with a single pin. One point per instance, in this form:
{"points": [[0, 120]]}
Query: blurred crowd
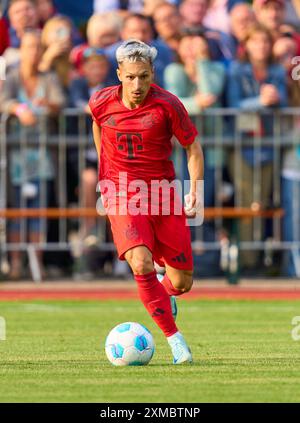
{"points": [[211, 54]]}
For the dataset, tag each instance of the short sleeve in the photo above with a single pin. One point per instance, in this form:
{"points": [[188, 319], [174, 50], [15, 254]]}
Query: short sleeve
{"points": [[181, 124], [95, 107]]}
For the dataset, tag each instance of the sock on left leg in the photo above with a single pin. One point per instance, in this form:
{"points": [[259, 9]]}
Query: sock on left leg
{"points": [[169, 287]]}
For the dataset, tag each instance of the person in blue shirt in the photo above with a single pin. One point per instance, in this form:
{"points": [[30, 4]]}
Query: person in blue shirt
{"points": [[255, 84]]}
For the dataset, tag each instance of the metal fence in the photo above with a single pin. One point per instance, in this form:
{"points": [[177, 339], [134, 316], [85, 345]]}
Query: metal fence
{"points": [[244, 158]]}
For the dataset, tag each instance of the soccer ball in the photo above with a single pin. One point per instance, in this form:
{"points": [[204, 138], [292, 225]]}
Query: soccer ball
{"points": [[129, 344]]}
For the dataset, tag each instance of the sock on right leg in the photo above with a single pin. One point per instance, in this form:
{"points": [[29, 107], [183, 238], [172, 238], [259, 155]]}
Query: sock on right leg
{"points": [[157, 302]]}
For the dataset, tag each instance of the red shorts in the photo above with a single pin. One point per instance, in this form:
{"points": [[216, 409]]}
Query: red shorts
{"points": [[167, 237]]}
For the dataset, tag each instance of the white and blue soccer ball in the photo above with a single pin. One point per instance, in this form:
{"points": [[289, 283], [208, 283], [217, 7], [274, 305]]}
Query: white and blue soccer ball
{"points": [[129, 344]]}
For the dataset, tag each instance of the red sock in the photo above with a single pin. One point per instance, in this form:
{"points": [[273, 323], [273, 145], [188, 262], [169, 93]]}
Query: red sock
{"points": [[156, 301], [169, 287]]}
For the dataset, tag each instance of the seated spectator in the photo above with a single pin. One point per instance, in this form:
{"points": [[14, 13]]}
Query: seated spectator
{"points": [[284, 50], [22, 16], [57, 44], [217, 14], [25, 94], [168, 24], [103, 30], [139, 27], [193, 13], [255, 83], [241, 19]]}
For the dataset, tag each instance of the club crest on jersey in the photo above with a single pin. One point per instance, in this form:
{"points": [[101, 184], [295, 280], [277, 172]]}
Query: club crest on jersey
{"points": [[131, 232], [149, 120]]}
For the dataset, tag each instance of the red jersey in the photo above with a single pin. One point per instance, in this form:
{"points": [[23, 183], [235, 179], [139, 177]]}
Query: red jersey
{"points": [[138, 141], [4, 35]]}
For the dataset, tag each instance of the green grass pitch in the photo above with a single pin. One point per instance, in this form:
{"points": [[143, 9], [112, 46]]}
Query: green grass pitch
{"points": [[243, 352]]}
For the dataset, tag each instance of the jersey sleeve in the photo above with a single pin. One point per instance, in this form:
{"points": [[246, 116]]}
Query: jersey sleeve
{"points": [[181, 124], [98, 103]]}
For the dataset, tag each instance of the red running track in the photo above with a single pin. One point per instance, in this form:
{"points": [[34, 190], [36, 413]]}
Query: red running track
{"points": [[224, 293]]}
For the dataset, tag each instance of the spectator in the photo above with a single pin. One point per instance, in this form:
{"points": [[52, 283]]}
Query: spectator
{"points": [[150, 6], [270, 13], [139, 27], [22, 16], [292, 16], [255, 83], [241, 19], [197, 80], [45, 10], [217, 15], [4, 35], [101, 6], [167, 23], [199, 83], [103, 30], [95, 77], [57, 44], [284, 50], [193, 13], [26, 93]]}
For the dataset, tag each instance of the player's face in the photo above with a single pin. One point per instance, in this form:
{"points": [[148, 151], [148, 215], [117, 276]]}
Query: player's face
{"points": [[136, 79]]}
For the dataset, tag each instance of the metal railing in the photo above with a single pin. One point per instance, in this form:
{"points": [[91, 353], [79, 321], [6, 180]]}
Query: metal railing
{"points": [[224, 135]]}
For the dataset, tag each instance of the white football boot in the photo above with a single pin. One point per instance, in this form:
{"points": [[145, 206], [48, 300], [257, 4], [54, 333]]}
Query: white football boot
{"points": [[180, 350]]}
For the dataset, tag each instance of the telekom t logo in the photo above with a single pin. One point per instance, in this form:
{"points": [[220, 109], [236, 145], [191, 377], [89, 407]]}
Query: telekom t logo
{"points": [[2, 69], [133, 141], [2, 329]]}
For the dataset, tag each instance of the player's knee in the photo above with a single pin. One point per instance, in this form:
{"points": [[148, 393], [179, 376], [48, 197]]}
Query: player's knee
{"points": [[142, 267], [140, 260], [184, 282], [188, 283]]}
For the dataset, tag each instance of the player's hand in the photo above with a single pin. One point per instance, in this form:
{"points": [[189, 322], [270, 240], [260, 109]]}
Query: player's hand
{"points": [[190, 204], [194, 202]]}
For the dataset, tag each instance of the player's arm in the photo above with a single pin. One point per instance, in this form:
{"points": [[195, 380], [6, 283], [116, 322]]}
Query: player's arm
{"points": [[195, 199], [97, 137]]}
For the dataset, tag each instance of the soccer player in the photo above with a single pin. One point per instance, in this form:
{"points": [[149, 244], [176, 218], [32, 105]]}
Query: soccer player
{"points": [[134, 123]]}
